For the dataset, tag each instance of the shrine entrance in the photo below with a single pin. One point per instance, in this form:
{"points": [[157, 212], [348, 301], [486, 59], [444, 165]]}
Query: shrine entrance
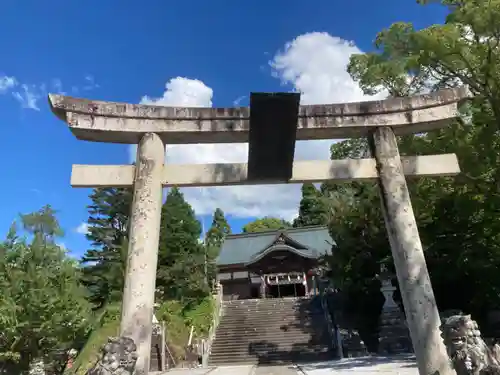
{"points": [[285, 285]]}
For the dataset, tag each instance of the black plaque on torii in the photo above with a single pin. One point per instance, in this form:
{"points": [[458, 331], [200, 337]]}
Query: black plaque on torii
{"points": [[272, 134]]}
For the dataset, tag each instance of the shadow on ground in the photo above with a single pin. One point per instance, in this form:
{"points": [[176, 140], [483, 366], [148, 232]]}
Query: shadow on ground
{"points": [[405, 361]]}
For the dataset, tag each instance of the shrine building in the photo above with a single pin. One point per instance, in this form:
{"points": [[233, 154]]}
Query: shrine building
{"points": [[273, 264]]}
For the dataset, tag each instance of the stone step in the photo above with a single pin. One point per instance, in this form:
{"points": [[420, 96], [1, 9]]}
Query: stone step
{"points": [[228, 346], [271, 311], [252, 347], [283, 328], [256, 330], [271, 318], [273, 305], [289, 345], [299, 339], [269, 336], [296, 355], [289, 304], [245, 313], [271, 331], [273, 322], [256, 335], [284, 357], [270, 349]]}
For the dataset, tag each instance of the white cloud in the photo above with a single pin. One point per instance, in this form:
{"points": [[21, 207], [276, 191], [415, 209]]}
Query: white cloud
{"points": [[90, 84], [7, 83], [28, 96], [238, 100], [83, 228], [313, 64], [183, 92]]}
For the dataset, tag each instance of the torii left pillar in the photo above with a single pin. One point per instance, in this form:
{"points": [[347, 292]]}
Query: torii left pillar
{"points": [[142, 258]]}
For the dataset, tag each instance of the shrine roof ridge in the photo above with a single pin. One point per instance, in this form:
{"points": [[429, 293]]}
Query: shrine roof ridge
{"points": [[102, 121], [308, 228]]}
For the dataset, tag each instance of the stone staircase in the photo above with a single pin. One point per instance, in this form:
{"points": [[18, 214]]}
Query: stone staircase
{"points": [[271, 331]]}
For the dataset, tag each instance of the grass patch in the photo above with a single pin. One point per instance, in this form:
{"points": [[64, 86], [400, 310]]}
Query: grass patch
{"points": [[107, 324], [178, 317]]}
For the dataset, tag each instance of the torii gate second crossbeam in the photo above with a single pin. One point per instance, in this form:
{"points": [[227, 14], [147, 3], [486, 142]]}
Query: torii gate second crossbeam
{"points": [[151, 127]]}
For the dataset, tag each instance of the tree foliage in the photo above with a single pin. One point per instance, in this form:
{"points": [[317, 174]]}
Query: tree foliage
{"points": [[266, 223], [213, 241], [218, 230], [312, 208], [181, 256], [43, 308], [457, 217], [104, 264]]}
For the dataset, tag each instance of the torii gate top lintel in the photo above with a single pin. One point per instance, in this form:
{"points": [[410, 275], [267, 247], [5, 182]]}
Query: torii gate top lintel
{"points": [[102, 121]]}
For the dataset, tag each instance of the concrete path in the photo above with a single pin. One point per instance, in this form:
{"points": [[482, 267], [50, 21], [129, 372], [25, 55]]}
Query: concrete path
{"points": [[400, 365], [226, 370]]}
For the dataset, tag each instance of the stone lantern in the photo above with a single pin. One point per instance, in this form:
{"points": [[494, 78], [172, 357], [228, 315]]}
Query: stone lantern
{"points": [[394, 336]]}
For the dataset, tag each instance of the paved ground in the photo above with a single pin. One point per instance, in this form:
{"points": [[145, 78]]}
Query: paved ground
{"points": [[401, 365]]}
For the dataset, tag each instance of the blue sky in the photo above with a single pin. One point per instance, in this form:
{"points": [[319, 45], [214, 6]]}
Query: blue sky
{"points": [[174, 52]]}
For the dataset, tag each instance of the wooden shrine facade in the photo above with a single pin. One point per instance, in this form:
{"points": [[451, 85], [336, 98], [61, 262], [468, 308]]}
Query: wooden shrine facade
{"points": [[273, 264]]}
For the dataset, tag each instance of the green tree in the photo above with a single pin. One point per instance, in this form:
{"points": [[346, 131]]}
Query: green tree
{"points": [[356, 224], [104, 264], [213, 241], [43, 223], [181, 256], [457, 216], [266, 223], [312, 209], [463, 50], [218, 230], [43, 308]]}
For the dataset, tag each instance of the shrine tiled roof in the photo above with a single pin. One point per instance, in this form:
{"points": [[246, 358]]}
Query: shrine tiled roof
{"points": [[312, 242]]}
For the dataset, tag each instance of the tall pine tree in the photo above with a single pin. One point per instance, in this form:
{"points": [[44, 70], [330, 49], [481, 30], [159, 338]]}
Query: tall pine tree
{"points": [[312, 209], [181, 256], [218, 230], [213, 241], [105, 263]]}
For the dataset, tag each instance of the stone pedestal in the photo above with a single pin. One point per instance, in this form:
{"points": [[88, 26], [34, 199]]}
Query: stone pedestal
{"points": [[394, 336]]}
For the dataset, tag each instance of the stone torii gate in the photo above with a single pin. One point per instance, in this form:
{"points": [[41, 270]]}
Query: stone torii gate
{"points": [[271, 125]]}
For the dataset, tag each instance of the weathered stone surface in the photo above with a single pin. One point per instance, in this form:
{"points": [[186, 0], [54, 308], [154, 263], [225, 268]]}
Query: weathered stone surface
{"points": [[125, 123], [236, 173], [119, 357], [467, 350], [138, 294], [416, 290]]}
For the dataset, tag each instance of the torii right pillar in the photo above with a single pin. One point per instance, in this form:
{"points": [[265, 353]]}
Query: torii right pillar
{"points": [[422, 314]]}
